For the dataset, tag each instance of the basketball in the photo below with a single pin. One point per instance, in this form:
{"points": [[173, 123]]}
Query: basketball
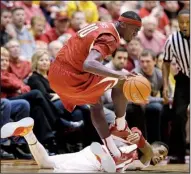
{"points": [[137, 89]]}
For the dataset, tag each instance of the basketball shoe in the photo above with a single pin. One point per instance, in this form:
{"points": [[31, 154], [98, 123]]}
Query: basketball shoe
{"points": [[119, 134], [128, 154], [19, 128], [107, 162]]}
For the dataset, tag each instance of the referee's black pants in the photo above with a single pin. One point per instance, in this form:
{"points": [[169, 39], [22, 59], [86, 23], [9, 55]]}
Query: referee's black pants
{"points": [[180, 104]]}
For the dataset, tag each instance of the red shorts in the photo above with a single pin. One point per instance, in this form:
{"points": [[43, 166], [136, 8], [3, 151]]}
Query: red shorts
{"points": [[75, 88]]}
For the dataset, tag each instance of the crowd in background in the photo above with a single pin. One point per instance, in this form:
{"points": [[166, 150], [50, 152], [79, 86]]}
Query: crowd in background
{"points": [[32, 32]]}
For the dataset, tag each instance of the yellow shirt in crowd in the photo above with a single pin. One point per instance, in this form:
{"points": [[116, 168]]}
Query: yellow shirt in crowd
{"points": [[88, 7]]}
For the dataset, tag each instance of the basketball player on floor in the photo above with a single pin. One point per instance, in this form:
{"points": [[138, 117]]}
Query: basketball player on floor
{"points": [[78, 76], [92, 158]]}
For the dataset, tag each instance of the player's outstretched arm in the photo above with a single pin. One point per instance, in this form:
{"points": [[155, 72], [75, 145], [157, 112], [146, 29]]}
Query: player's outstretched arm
{"points": [[93, 65]]}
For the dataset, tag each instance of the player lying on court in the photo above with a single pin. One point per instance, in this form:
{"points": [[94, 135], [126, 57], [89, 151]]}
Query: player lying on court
{"points": [[91, 158], [78, 76]]}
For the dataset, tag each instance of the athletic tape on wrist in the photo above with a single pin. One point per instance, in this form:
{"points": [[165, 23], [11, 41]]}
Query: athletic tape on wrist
{"points": [[142, 140]]}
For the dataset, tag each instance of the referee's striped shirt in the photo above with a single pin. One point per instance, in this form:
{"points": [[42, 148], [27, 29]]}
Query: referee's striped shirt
{"points": [[179, 47]]}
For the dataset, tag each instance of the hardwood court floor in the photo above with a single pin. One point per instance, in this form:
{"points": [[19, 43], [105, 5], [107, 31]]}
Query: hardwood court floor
{"points": [[30, 166]]}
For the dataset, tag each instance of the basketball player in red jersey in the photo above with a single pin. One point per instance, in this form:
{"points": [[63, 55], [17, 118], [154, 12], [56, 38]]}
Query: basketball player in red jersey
{"points": [[78, 76]]}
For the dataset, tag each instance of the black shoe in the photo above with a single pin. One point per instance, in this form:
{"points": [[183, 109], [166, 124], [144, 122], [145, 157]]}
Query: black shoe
{"points": [[70, 126], [6, 156], [24, 147], [20, 154], [51, 145], [176, 160]]}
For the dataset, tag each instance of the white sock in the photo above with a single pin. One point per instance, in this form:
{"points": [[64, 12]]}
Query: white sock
{"points": [[112, 148], [121, 123], [38, 151], [30, 138]]}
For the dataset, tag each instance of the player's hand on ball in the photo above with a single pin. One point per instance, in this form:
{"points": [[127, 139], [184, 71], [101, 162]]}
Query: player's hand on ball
{"points": [[133, 138], [126, 76]]}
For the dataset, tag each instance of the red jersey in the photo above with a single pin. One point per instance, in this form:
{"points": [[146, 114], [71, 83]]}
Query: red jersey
{"points": [[78, 47], [66, 75]]}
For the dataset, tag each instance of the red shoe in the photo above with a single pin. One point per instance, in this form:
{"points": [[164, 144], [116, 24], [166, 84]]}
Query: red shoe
{"points": [[127, 155], [123, 134]]}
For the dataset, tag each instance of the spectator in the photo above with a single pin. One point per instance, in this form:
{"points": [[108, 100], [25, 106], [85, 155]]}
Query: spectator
{"points": [[31, 10], [7, 31], [21, 68], [148, 118], [14, 110], [154, 9], [114, 9], [23, 35], [171, 9], [14, 88], [61, 26], [53, 49], [150, 37], [134, 49], [159, 60], [88, 7], [78, 21], [37, 26], [17, 86]]}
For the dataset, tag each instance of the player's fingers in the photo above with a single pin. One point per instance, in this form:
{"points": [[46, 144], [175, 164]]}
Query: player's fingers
{"points": [[131, 136]]}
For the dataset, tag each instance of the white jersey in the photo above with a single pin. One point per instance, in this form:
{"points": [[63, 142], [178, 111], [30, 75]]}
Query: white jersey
{"points": [[86, 161], [83, 160]]}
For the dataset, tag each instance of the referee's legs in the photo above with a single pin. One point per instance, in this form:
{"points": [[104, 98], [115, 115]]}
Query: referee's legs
{"points": [[178, 132]]}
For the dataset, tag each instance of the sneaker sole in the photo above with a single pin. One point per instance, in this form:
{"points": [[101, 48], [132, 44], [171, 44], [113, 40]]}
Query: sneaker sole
{"points": [[12, 128], [107, 161], [127, 149]]}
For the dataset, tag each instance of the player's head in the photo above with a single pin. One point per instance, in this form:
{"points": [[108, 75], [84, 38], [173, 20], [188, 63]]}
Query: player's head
{"points": [[119, 59], [129, 25], [160, 151], [184, 22]]}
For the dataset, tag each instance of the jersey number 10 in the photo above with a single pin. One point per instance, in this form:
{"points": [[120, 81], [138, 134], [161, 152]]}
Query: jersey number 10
{"points": [[86, 30]]}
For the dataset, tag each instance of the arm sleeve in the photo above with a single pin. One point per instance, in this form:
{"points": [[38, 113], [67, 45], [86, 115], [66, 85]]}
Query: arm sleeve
{"points": [[106, 44], [10, 82], [168, 52]]}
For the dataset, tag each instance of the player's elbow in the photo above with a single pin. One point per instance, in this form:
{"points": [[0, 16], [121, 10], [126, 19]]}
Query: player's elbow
{"points": [[87, 66]]}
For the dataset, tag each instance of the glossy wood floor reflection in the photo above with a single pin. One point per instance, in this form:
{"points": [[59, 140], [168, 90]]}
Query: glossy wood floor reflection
{"points": [[30, 166]]}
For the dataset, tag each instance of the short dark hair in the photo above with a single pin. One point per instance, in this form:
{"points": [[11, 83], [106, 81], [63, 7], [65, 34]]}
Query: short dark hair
{"points": [[5, 10], [159, 143], [184, 11], [121, 48], [16, 9], [131, 15], [148, 52]]}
